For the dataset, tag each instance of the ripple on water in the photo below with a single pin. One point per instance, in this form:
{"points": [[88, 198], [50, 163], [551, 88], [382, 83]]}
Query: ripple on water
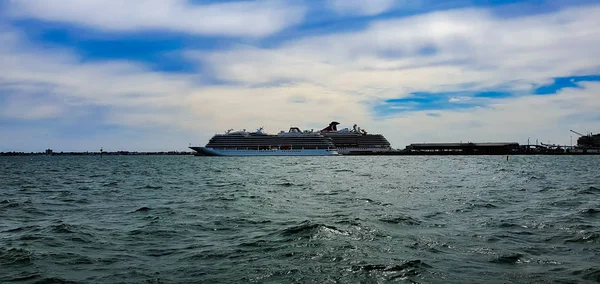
{"points": [[400, 219], [404, 271], [308, 229], [592, 274], [512, 258], [589, 190], [16, 256], [180, 219], [584, 237]]}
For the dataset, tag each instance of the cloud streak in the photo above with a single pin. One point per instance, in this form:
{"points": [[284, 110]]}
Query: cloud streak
{"points": [[359, 7], [244, 19]]}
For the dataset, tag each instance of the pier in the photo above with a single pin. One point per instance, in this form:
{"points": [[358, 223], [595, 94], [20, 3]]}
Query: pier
{"points": [[484, 148]]}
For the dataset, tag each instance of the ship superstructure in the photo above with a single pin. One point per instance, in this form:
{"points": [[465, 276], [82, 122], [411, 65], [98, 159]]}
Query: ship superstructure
{"points": [[587, 143], [295, 142], [355, 140]]}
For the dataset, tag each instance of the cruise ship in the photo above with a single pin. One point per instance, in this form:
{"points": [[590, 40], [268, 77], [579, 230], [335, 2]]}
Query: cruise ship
{"points": [[355, 140], [292, 143]]}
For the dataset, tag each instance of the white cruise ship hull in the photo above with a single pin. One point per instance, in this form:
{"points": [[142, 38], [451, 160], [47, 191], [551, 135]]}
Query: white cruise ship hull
{"points": [[272, 152], [349, 150]]}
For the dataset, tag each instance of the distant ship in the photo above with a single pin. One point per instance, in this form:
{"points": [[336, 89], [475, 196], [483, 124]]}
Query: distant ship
{"points": [[356, 140], [292, 143]]}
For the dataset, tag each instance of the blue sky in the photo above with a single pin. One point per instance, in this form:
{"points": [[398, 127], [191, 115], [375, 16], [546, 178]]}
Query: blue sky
{"points": [[154, 75]]}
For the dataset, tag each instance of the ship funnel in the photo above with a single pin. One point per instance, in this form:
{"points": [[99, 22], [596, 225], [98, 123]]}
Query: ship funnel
{"points": [[332, 126]]}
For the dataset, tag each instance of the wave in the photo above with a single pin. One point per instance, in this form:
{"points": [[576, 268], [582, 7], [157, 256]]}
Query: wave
{"points": [[584, 237], [142, 209], [368, 200], [307, 229], [592, 274], [409, 264], [400, 219], [403, 271], [289, 184], [509, 259], [148, 186], [590, 190], [590, 211], [25, 278], [15, 256]]}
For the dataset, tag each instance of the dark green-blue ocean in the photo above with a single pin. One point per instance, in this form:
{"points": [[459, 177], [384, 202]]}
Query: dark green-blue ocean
{"points": [[343, 219]]}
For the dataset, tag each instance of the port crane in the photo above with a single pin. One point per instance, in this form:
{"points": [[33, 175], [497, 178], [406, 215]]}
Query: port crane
{"points": [[576, 132], [579, 133], [590, 141]]}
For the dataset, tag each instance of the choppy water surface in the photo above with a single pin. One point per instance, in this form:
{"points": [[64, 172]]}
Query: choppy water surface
{"points": [[184, 219]]}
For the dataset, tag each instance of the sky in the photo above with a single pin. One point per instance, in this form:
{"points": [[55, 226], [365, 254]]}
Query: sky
{"points": [[159, 75]]}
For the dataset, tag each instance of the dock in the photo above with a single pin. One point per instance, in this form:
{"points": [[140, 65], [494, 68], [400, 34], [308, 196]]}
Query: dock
{"points": [[484, 148]]}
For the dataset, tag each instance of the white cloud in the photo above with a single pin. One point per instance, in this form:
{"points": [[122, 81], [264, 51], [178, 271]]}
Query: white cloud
{"points": [[472, 47], [548, 118], [252, 19], [29, 108], [475, 50], [458, 99], [361, 7], [137, 97], [311, 81]]}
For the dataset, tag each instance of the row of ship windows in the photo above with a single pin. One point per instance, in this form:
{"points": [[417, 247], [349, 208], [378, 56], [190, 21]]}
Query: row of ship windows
{"points": [[289, 147], [233, 145], [273, 140], [357, 146], [272, 143], [271, 149], [265, 150], [364, 148], [288, 141]]}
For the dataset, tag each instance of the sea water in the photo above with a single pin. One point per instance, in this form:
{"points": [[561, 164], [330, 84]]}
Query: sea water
{"points": [[344, 219]]}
